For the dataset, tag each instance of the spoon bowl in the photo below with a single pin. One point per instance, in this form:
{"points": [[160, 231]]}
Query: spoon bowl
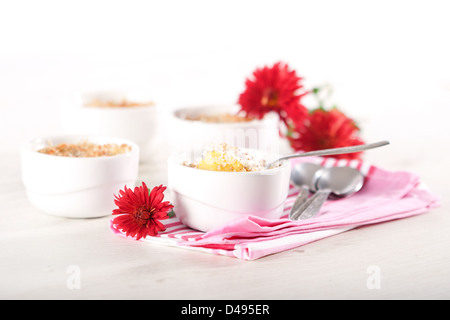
{"points": [[342, 181], [302, 175], [338, 182]]}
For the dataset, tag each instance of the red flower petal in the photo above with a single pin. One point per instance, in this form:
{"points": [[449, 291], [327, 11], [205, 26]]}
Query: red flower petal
{"points": [[139, 211], [326, 129], [273, 89]]}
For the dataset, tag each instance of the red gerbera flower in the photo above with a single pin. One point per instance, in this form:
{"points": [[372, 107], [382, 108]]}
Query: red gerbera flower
{"points": [[273, 89], [326, 129], [140, 211]]}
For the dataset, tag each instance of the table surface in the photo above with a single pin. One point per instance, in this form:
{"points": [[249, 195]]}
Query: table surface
{"points": [[39, 252]]}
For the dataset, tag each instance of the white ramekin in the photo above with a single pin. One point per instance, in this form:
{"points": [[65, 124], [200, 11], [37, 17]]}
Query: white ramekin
{"points": [[76, 187], [184, 134], [138, 124], [204, 200]]}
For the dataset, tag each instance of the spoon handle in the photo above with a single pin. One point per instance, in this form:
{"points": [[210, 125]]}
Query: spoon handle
{"points": [[301, 198], [315, 204], [297, 211], [334, 151]]}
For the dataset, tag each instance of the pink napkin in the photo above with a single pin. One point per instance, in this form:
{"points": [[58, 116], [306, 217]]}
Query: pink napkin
{"points": [[385, 196]]}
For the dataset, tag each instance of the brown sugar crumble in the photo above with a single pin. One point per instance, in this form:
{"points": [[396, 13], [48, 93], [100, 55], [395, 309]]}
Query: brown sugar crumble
{"points": [[86, 150], [124, 103], [219, 118]]}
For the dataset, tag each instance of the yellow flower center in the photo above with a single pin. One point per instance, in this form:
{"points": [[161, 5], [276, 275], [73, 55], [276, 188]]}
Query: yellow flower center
{"points": [[269, 98], [143, 215]]}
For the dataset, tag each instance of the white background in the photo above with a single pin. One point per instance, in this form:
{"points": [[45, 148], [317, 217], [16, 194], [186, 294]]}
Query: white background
{"points": [[388, 61]]}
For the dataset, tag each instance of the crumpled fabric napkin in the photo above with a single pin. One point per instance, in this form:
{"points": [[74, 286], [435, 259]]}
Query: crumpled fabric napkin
{"points": [[385, 196]]}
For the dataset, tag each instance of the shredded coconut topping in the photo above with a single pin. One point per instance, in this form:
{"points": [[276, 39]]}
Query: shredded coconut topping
{"points": [[223, 157]]}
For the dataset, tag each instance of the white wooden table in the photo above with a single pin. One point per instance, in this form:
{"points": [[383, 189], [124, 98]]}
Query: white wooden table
{"points": [[44, 257]]}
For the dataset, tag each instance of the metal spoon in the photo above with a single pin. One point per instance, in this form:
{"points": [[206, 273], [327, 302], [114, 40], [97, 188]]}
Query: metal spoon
{"points": [[302, 177], [333, 151], [336, 181]]}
